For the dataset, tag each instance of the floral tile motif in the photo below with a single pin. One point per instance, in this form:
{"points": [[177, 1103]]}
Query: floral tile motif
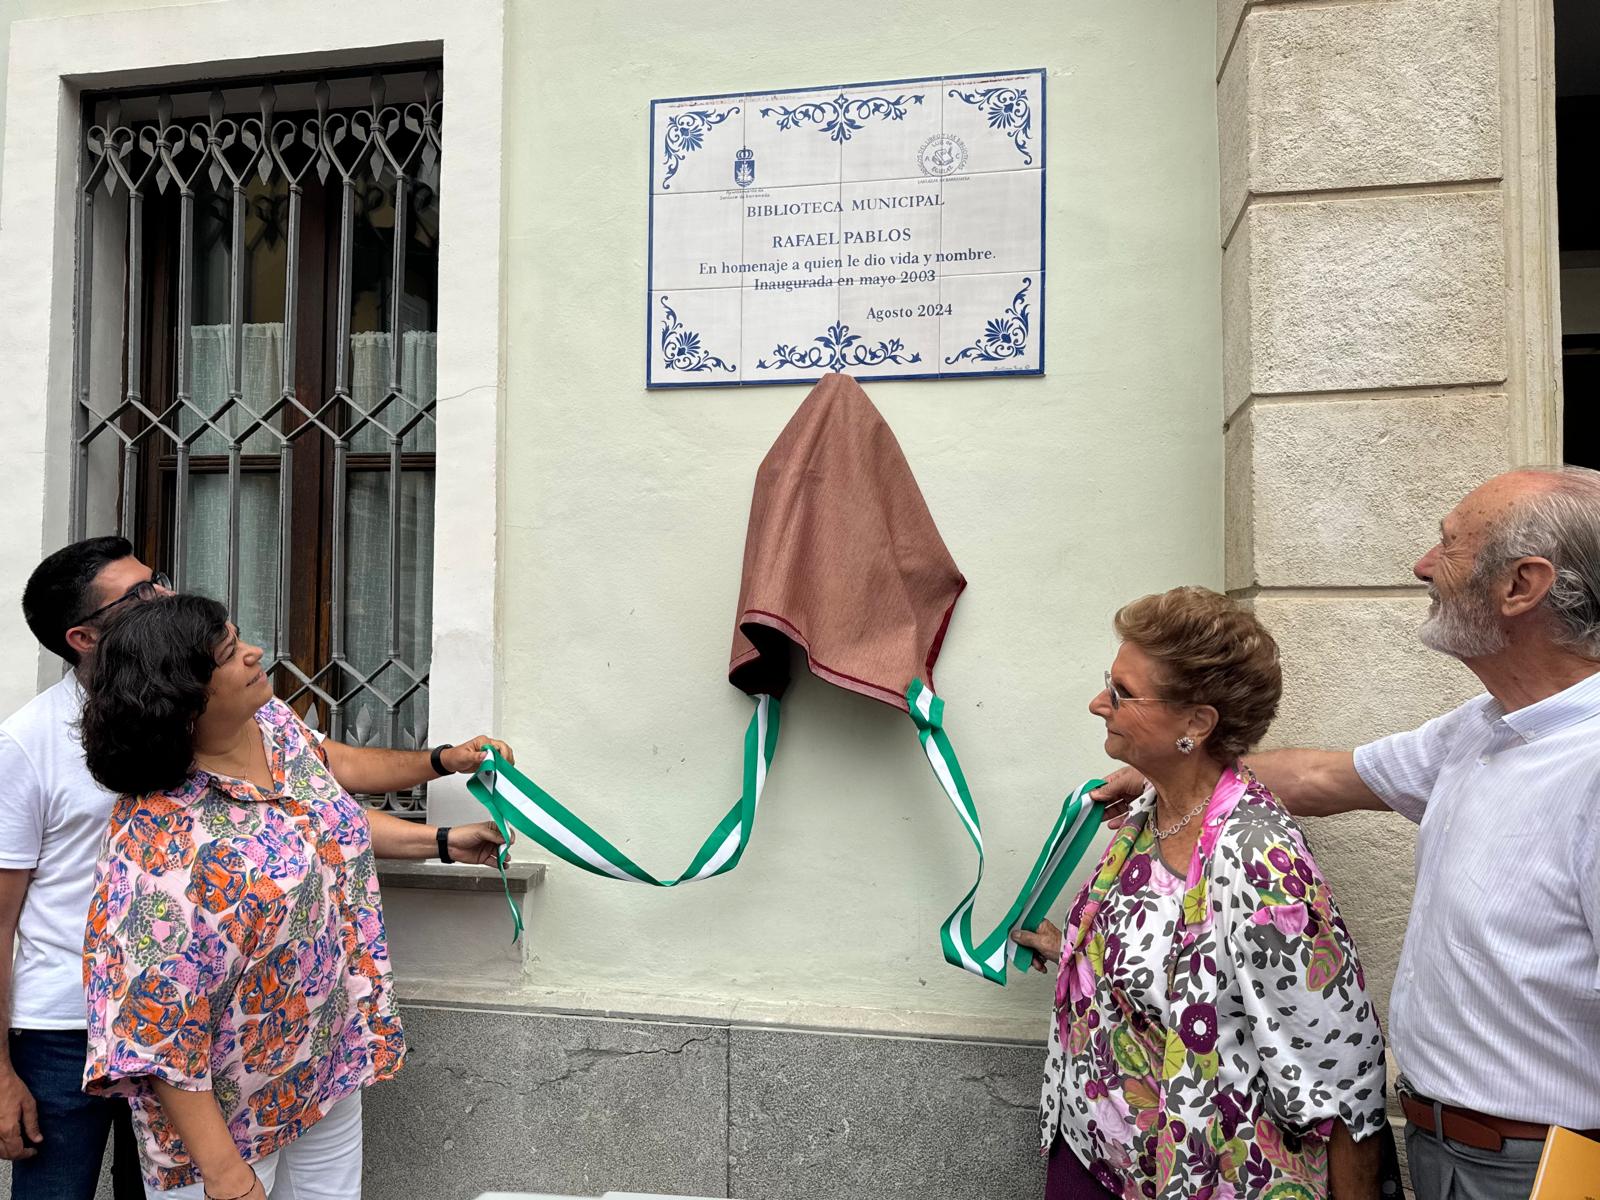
{"points": [[838, 348], [781, 330], [889, 147], [693, 145], [843, 116], [998, 121], [681, 350], [792, 151], [885, 314], [991, 323]]}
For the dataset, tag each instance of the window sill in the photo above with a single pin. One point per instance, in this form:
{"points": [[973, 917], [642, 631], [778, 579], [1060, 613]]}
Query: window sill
{"points": [[522, 877]]}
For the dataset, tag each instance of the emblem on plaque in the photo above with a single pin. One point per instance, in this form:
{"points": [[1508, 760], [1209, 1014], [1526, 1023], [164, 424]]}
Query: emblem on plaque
{"points": [[744, 167], [942, 154]]}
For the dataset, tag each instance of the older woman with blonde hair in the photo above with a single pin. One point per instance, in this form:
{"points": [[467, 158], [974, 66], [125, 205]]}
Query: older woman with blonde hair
{"points": [[1213, 1035]]}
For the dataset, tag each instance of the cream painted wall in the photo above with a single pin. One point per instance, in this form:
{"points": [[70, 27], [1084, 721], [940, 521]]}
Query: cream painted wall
{"points": [[8, 9], [624, 511], [21, 10]]}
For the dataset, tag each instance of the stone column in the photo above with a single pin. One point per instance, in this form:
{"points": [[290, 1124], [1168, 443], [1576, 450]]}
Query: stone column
{"points": [[1391, 339]]}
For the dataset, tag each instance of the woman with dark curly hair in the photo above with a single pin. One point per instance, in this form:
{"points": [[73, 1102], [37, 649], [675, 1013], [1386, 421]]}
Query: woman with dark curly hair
{"points": [[1213, 1037], [235, 960]]}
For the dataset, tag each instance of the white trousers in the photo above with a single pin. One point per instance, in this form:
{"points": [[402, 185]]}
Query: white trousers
{"points": [[324, 1163]]}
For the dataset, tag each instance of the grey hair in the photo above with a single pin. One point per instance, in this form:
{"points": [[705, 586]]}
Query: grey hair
{"points": [[1559, 522]]}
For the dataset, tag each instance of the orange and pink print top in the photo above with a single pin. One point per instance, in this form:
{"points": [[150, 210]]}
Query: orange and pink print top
{"points": [[235, 944]]}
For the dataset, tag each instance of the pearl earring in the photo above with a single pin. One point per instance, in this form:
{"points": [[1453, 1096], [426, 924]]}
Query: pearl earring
{"points": [[1185, 744]]}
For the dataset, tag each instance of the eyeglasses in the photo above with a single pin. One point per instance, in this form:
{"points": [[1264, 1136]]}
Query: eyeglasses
{"points": [[145, 589], [1120, 697]]}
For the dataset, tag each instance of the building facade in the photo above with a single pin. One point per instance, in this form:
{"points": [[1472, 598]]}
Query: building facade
{"points": [[1306, 289]]}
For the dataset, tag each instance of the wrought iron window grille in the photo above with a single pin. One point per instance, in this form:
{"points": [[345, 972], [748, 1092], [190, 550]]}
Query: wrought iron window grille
{"points": [[270, 437]]}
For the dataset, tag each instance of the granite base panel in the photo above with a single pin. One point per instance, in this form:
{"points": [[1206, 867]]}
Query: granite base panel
{"points": [[536, 1102]]}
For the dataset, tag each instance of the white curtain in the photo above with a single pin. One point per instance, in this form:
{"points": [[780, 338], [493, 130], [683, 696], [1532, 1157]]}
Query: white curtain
{"points": [[367, 616], [369, 384], [261, 382], [367, 535], [367, 599], [206, 552]]}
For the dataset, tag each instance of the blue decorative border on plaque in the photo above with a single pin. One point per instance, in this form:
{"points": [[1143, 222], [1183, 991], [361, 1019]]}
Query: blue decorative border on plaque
{"points": [[836, 350], [1009, 108], [842, 116], [1006, 336], [681, 349], [686, 133]]}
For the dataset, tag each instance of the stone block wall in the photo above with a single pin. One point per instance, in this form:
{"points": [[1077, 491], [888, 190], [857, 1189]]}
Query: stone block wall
{"points": [[1390, 335]]}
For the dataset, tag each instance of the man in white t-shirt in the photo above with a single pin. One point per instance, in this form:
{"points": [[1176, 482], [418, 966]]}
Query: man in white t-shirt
{"points": [[1495, 1015], [53, 816]]}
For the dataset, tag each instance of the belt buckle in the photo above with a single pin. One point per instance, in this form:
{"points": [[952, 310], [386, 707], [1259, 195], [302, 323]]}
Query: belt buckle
{"points": [[1405, 1092]]}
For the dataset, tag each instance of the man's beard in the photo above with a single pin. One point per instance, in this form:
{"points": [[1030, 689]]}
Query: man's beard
{"points": [[1465, 625]]}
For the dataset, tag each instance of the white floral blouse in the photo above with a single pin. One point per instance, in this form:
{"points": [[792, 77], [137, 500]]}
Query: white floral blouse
{"points": [[1230, 1088]]}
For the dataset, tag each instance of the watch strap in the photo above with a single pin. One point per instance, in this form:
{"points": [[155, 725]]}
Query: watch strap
{"points": [[444, 844], [436, 757]]}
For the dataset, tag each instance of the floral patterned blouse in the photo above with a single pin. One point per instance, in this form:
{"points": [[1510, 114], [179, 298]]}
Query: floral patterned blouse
{"points": [[236, 944], [1211, 1029]]}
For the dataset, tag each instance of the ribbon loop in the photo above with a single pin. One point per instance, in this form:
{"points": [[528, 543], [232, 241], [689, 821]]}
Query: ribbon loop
{"points": [[515, 801], [1063, 850]]}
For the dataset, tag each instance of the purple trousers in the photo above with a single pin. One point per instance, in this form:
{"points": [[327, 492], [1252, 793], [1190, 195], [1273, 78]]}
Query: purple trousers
{"points": [[1068, 1179]]}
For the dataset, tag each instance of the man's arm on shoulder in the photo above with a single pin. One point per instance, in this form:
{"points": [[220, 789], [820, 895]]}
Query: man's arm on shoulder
{"points": [[1314, 783], [1396, 772], [1311, 783], [18, 1113]]}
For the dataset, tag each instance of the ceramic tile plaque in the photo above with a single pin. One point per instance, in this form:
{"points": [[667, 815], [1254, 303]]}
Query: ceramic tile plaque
{"points": [[887, 230]]}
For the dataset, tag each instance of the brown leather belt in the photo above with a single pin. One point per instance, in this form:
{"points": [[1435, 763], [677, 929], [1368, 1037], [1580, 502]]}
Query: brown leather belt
{"points": [[1478, 1130]]}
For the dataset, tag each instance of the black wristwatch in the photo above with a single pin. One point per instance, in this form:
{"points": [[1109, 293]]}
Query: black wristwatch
{"points": [[444, 844], [435, 759]]}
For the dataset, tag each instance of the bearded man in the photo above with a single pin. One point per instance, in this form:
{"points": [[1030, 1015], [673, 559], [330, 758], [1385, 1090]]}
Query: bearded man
{"points": [[1495, 1015]]}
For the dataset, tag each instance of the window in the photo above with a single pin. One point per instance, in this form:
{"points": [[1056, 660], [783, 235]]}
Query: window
{"points": [[272, 250]]}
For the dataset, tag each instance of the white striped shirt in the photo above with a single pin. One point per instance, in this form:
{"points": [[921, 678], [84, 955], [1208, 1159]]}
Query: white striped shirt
{"points": [[1496, 1005]]}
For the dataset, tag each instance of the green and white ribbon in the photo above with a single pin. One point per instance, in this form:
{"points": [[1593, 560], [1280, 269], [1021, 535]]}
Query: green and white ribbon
{"points": [[1063, 850], [516, 802]]}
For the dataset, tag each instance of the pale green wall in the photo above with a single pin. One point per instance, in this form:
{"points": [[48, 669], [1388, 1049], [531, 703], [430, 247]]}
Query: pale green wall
{"points": [[624, 511]]}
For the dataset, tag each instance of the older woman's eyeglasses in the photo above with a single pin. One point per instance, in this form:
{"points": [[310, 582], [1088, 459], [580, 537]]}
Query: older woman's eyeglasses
{"points": [[145, 589], [1120, 697]]}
